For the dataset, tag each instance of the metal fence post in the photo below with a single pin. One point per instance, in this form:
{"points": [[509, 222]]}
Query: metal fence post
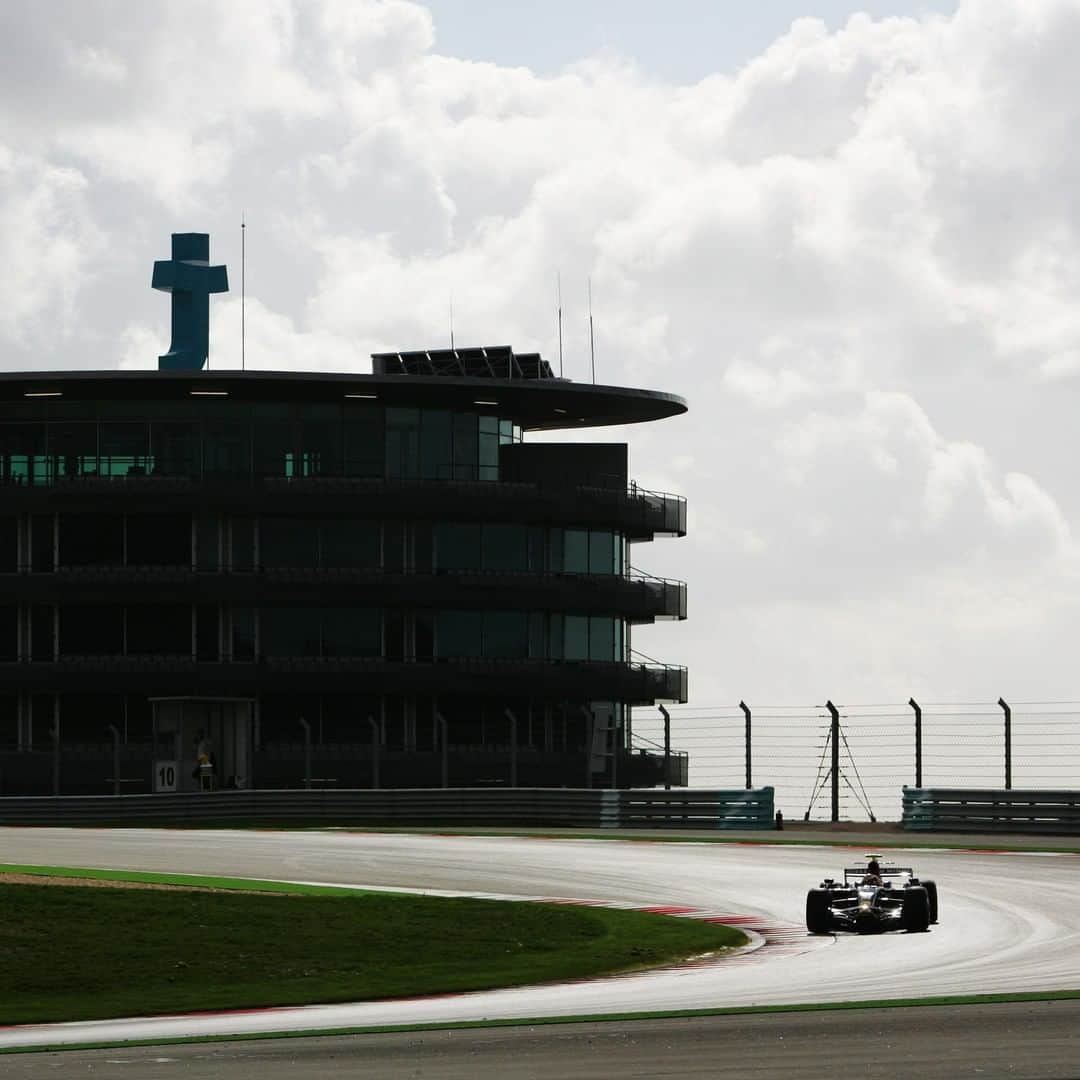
{"points": [[834, 736], [374, 751], [1008, 742], [587, 713], [667, 746], [749, 760], [918, 741], [114, 731], [513, 746], [307, 752], [443, 742], [56, 747]]}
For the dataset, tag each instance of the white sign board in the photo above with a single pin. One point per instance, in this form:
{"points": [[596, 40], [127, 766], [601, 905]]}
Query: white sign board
{"points": [[165, 773]]}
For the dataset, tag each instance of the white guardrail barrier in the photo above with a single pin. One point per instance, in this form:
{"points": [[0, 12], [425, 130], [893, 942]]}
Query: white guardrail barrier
{"points": [[603, 809], [989, 810]]}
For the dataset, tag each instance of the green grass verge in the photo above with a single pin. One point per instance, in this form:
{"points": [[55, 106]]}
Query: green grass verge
{"points": [[137, 952]]}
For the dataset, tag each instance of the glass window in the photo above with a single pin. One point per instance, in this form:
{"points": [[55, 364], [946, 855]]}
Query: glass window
{"points": [[459, 633], [601, 552], [556, 550], [505, 547], [536, 635], [506, 634], [465, 446], [601, 638], [556, 636], [123, 449], [242, 531], [352, 632], [9, 544], [576, 637], [435, 445], [158, 540], [289, 631], [226, 448], [177, 448], [458, 546], [425, 635], [576, 554], [288, 541], [365, 449], [272, 442], [320, 441], [90, 629], [243, 634], [351, 542], [19, 445], [402, 442], [91, 539], [159, 630], [207, 542], [73, 448]]}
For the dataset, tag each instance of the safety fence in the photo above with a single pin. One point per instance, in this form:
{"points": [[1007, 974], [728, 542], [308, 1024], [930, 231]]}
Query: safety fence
{"points": [[540, 807], [852, 761], [991, 810]]}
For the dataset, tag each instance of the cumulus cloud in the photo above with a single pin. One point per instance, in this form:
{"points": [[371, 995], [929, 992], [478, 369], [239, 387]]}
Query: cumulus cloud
{"points": [[856, 256]]}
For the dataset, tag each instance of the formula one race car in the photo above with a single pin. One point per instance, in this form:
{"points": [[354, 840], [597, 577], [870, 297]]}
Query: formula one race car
{"points": [[872, 899]]}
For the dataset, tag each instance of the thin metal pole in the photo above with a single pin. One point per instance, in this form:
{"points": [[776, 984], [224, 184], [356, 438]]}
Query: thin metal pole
{"points": [[56, 746], [587, 713], [114, 731], [918, 741], [747, 738], [558, 288], [1008, 742], [614, 752], [307, 752], [243, 293], [667, 746], [592, 342], [443, 743], [374, 751], [834, 734], [513, 747]]}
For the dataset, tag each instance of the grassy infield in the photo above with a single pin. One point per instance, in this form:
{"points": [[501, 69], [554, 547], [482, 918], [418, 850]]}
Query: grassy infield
{"points": [[77, 953], [141, 952]]}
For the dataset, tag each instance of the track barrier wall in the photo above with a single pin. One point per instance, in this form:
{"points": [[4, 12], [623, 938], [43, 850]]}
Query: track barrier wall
{"points": [[583, 808], [991, 810]]}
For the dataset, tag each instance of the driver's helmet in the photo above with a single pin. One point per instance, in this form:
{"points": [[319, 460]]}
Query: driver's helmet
{"points": [[874, 867]]}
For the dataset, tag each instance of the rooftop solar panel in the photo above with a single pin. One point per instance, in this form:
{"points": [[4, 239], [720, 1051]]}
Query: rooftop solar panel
{"points": [[487, 362]]}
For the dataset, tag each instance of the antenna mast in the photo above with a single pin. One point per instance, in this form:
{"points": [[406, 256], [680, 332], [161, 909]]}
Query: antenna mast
{"points": [[558, 289], [243, 292], [592, 343], [451, 324]]}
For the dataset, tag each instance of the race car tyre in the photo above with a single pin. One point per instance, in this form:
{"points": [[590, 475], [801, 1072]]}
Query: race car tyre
{"points": [[931, 895], [818, 918], [916, 910]]}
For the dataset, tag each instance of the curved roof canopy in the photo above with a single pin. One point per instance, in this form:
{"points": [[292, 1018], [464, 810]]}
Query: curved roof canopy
{"points": [[535, 404]]}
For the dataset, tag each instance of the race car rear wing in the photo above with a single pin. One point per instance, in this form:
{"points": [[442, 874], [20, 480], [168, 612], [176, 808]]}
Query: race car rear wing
{"points": [[859, 872]]}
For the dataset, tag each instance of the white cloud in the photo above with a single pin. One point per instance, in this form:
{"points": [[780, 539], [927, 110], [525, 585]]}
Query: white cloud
{"points": [[856, 257]]}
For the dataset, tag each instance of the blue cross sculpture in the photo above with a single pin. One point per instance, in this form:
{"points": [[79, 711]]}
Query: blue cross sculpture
{"points": [[191, 279]]}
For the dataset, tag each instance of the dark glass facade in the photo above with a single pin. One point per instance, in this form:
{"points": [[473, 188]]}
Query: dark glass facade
{"points": [[406, 581]]}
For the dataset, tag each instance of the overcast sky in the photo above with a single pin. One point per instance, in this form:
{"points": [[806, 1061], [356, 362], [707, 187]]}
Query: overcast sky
{"points": [[850, 241]]}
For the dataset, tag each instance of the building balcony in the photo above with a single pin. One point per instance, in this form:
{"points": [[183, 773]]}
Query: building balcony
{"points": [[635, 511], [166, 675], [637, 598]]}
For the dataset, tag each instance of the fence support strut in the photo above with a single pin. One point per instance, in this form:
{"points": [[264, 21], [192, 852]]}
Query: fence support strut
{"points": [[667, 746], [918, 741], [834, 736], [307, 752], [115, 733], [513, 746], [374, 751], [1008, 742], [749, 745], [443, 743], [589, 721]]}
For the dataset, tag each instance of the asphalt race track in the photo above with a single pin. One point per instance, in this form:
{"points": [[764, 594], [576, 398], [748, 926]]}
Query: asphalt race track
{"points": [[1009, 922]]}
